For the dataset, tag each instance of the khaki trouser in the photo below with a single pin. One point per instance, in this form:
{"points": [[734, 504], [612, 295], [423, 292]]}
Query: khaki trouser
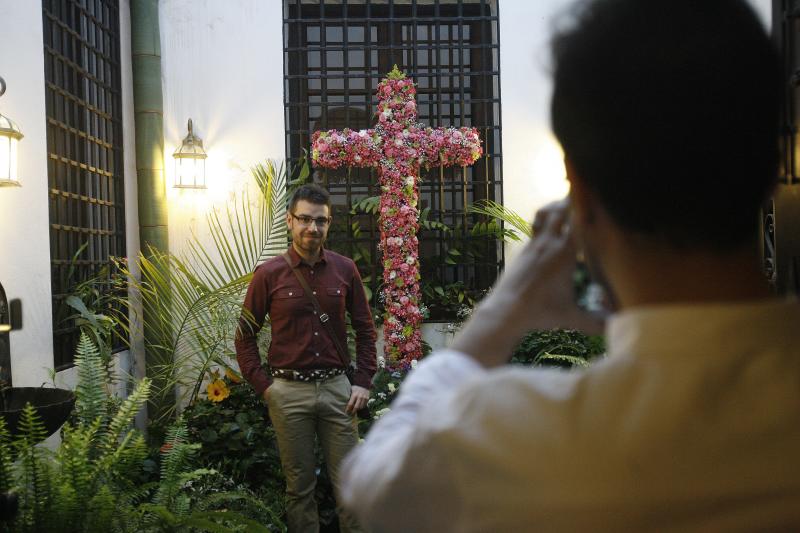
{"points": [[299, 410]]}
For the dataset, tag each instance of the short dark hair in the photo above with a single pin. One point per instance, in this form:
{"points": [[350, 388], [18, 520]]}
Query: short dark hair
{"points": [[669, 112], [310, 192]]}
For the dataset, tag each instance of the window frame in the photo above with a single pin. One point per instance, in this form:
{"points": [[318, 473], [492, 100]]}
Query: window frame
{"points": [[451, 50], [83, 94]]}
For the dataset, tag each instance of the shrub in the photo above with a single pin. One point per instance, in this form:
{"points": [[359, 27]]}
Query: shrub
{"points": [[558, 347]]}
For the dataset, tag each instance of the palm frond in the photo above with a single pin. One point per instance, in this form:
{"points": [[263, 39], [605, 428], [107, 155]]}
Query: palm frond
{"points": [[191, 304], [561, 358], [521, 227]]}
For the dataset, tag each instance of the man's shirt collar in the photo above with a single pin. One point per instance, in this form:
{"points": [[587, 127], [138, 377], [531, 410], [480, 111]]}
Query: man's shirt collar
{"points": [[296, 259]]}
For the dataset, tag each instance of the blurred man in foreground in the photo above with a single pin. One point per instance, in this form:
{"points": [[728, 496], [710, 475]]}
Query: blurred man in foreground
{"points": [[668, 116]]}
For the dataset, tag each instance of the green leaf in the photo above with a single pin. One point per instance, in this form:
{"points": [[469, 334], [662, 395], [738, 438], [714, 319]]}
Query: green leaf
{"points": [[208, 435], [520, 227], [242, 419]]}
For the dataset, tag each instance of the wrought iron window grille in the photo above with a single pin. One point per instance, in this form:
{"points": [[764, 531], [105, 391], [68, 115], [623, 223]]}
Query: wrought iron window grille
{"points": [[335, 53], [84, 150]]}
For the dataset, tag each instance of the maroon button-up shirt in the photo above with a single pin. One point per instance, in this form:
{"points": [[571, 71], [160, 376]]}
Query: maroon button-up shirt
{"points": [[299, 340]]}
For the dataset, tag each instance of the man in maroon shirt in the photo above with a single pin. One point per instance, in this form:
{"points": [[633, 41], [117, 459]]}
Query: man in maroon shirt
{"points": [[305, 385]]}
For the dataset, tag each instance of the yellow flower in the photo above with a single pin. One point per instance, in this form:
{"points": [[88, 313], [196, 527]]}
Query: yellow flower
{"points": [[217, 390], [233, 376]]}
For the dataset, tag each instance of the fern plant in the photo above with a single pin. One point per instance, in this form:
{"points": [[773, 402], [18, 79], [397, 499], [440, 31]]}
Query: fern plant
{"points": [[34, 475], [172, 508], [83, 485], [89, 483], [6, 457], [91, 395]]}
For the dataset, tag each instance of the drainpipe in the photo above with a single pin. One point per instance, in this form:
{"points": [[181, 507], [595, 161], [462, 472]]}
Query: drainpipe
{"points": [[149, 117]]}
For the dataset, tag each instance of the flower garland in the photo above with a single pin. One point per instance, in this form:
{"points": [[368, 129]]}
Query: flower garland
{"points": [[398, 146]]}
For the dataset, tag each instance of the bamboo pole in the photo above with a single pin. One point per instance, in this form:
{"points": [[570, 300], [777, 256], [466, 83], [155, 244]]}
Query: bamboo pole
{"points": [[151, 183]]}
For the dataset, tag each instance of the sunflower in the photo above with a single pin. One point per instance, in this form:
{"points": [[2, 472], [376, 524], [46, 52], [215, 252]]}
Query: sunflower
{"points": [[217, 390]]}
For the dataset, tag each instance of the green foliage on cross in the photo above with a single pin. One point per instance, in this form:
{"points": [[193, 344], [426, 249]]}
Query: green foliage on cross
{"points": [[396, 74]]}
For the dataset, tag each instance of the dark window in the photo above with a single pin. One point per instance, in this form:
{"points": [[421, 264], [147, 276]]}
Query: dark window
{"points": [[84, 150], [335, 54]]}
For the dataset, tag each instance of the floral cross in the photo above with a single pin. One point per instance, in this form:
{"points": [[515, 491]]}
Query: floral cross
{"points": [[398, 145]]}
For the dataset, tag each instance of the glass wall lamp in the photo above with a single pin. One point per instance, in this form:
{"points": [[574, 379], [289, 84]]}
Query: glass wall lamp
{"points": [[9, 137], [190, 162]]}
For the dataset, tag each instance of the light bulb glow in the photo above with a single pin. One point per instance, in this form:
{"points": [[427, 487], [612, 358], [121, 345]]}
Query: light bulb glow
{"points": [[8, 161]]}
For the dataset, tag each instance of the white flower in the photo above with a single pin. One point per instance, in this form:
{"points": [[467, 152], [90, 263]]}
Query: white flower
{"points": [[410, 180], [392, 274], [391, 387], [414, 363], [382, 412], [362, 133], [410, 260]]}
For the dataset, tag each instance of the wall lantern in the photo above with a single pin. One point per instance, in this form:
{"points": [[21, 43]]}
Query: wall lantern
{"points": [[190, 162], [9, 137]]}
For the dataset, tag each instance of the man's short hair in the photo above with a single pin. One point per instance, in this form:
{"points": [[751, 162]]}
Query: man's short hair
{"points": [[310, 192], [669, 113]]}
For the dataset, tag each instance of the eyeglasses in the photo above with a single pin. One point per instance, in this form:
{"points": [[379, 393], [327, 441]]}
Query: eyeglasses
{"points": [[306, 220]]}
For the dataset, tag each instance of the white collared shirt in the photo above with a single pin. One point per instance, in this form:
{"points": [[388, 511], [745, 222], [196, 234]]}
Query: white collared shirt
{"points": [[691, 423]]}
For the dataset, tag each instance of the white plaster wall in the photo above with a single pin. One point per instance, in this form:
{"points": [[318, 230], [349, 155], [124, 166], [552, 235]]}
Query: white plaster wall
{"points": [[24, 227], [222, 66], [533, 173]]}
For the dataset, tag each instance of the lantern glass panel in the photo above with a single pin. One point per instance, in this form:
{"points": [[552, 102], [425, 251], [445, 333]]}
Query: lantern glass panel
{"points": [[190, 173], [5, 158], [8, 161], [13, 163]]}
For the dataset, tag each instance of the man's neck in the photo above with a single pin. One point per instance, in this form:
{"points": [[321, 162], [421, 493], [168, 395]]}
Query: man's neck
{"points": [[658, 278], [311, 258]]}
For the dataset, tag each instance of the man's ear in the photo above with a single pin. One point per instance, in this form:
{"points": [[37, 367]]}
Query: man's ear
{"points": [[581, 198]]}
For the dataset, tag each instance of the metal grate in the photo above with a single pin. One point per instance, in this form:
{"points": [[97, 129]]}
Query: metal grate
{"points": [[335, 54], [84, 150], [780, 239]]}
